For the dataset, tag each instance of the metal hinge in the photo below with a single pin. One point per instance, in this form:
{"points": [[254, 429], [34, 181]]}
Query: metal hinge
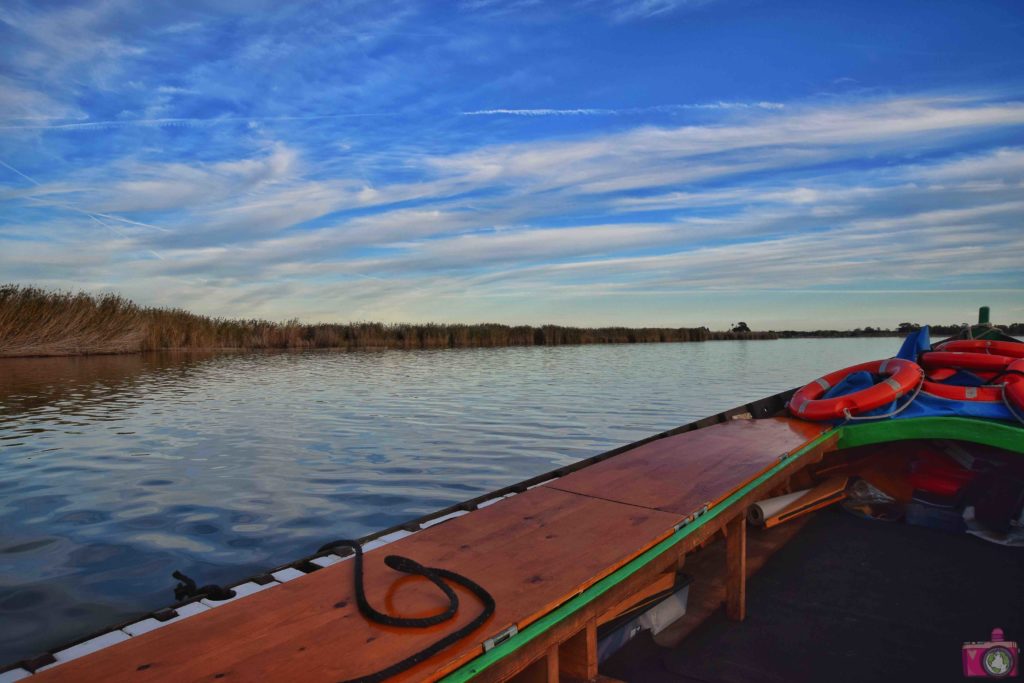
{"points": [[689, 520], [493, 642], [683, 523]]}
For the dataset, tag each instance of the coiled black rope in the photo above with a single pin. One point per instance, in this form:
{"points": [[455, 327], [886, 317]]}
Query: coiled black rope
{"points": [[436, 576], [187, 589]]}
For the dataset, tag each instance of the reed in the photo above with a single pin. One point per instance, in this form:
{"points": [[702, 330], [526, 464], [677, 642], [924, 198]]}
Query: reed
{"points": [[38, 322]]}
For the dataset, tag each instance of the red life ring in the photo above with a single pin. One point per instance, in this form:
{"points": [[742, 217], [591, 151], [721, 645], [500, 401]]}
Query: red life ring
{"points": [[965, 361], [1014, 386], [997, 348], [956, 393], [940, 374], [902, 376]]}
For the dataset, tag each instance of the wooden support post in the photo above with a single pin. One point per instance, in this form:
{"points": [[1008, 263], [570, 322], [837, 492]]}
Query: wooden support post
{"points": [[543, 670], [577, 656], [552, 658], [736, 568], [552, 661]]}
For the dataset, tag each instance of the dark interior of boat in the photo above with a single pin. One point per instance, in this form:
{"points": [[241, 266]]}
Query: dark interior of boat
{"points": [[838, 597]]}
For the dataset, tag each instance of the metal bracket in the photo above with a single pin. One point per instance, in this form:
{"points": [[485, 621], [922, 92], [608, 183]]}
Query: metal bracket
{"points": [[494, 641], [683, 523], [692, 518]]}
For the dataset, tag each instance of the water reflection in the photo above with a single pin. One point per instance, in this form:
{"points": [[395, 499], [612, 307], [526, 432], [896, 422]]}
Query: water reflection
{"points": [[116, 470]]}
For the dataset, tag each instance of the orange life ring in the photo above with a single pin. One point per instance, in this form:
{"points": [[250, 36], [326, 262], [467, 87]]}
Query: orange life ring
{"points": [[965, 361], [1014, 386], [957, 393], [902, 376], [986, 346], [940, 374]]}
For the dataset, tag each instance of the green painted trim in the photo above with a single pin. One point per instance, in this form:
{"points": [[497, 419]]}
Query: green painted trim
{"points": [[987, 432], [567, 609]]}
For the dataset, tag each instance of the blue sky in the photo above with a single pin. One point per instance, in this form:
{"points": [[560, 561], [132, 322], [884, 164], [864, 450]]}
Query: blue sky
{"points": [[653, 162]]}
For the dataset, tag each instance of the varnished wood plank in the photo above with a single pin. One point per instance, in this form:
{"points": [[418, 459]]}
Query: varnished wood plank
{"points": [[682, 473], [736, 568], [531, 551]]}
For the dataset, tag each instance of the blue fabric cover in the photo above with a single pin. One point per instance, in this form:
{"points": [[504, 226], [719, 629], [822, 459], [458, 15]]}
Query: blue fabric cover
{"points": [[924, 405], [928, 405], [963, 378], [855, 381], [915, 344]]}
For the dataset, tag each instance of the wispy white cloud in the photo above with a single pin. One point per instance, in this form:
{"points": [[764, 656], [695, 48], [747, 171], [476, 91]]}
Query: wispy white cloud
{"points": [[760, 200], [31, 106], [647, 158], [386, 160], [71, 39], [632, 10], [176, 90]]}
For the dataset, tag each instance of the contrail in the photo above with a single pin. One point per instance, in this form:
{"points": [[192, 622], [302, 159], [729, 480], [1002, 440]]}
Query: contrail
{"points": [[9, 167], [121, 234], [70, 207], [93, 214], [173, 122], [657, 109]]}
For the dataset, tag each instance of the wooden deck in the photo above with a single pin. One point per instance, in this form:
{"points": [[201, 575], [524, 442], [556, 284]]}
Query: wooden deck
{"points": [[531, 551], [682, 473]]}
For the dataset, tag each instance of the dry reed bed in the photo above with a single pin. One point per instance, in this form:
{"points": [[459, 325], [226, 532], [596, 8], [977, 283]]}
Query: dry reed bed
{"points": [[38, 322]]}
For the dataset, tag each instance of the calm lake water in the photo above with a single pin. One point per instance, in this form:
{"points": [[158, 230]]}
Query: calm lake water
{"points": [[117, 470]]}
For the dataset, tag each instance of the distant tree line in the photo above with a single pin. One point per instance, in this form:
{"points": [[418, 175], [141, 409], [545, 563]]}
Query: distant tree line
{"points": [[902, 330]]}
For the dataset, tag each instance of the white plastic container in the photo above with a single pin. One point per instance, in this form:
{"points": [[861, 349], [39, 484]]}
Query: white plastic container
{"points": [[656, 618]]}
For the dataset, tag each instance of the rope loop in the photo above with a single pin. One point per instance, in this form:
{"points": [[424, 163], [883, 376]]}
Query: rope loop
{"points": [[440, 578], [188, 589], [1009, 406], [851, 418]]}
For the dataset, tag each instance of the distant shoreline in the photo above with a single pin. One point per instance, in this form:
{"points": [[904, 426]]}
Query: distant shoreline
{"points": [[72, 352], [65, 351], [37, 322]]}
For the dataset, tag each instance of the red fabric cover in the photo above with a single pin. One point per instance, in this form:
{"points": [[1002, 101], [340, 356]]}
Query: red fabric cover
{"points": [[936, 472]]}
